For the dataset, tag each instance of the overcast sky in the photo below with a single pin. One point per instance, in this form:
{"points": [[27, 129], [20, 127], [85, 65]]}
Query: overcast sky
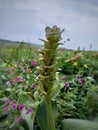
{"points": [[27, 19]]}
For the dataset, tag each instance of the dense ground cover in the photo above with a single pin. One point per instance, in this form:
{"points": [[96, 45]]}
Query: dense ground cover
{"points": [[77, 76]]}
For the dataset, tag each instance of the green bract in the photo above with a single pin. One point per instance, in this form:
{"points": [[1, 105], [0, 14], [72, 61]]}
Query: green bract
{"points": [[53, 34], [47, 71]]}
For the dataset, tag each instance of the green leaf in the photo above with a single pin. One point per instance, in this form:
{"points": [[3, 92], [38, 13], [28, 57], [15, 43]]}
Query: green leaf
{"points": [[25, 99], [54, 109], [48, 30], [42, 116], [78, 124], [55, 91]]}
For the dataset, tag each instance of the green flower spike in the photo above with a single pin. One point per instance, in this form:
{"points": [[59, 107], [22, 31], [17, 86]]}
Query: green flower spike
{"points": [[48, 72]]}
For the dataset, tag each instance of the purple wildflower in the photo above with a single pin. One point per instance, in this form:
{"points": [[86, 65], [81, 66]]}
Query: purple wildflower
{"points": [[29, 110], [63, 78], [7, 101], [34, 63], [6, 69], [14, 106], [16, 80], [12, 69], [35, 86], [8, 83], [81, 81], [66, 84], [20, 119], [6, 109], [21, 107]]}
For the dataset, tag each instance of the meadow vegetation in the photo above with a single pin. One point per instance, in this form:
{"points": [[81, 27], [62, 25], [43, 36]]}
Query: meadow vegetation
{"points": [[76, 75]]}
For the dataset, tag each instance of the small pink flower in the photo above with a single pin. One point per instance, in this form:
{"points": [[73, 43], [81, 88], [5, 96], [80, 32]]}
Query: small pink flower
{"points": [[12, 69], [35, 86], [14, 106], [21, 107], [29, 110], [8, 83], [7, 101], [34, 63], [18, 79], [20, 119], [6, 108], [6, 69], [15, 80], [66, 84], [81, 81], [63, 78]]}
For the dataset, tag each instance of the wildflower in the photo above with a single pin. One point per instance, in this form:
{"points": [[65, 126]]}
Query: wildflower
{"points": [[63, 78], [12, 69], [21, 107], [7, 101], [75, 63], [14, 106], [35, 86], [29, 110], [16, 80], [15, 65], [6, 108], [20, 119], [66, 84], [6, 69], [81, 81], [34, 63], [8, 83], [85, 66]]}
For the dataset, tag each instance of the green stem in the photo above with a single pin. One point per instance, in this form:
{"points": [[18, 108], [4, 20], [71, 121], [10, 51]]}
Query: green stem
{"points": [[50, 113]]}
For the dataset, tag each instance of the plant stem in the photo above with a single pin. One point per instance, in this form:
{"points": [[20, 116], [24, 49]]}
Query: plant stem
{"points": [[50, 113]]}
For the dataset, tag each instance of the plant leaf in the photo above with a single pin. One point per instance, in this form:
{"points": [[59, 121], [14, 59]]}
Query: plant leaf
{"points": [[42, 116], [25, 99], [78, 124]]}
